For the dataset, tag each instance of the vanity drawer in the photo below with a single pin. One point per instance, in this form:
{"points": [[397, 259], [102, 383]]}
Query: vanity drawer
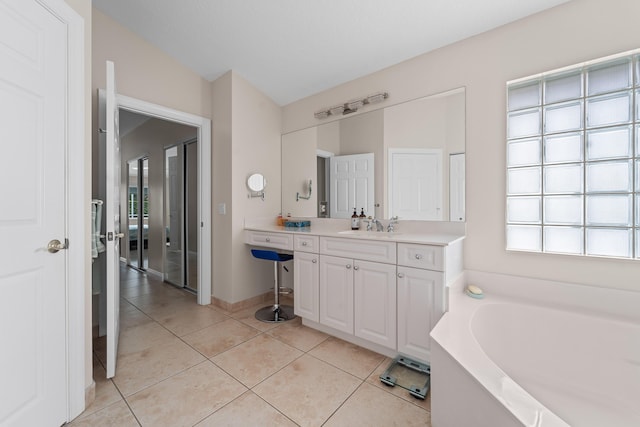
{"points": [[366, 249], [421, 256], [306, 243], [269, 240]]}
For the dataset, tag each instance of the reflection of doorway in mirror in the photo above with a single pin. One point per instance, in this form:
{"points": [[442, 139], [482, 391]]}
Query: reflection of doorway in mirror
{"points": [[415, 184], [351, 184], [456, 187]]}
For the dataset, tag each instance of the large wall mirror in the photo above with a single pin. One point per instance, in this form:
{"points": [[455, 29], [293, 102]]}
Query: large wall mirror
{"points": [[405, 160]]}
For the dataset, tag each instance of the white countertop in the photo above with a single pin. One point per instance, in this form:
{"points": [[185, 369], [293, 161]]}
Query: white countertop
{"points": [[399, 236]]}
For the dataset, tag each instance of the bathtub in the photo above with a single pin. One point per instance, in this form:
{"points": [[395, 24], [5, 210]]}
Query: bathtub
{"points": [[513, 360]]}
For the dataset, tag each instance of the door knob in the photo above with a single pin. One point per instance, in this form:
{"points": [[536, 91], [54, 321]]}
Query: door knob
{"points": [[56, 245]]}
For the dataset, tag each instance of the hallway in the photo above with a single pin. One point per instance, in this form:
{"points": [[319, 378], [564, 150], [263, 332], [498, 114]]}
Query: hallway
{"points": [[181, 364]]}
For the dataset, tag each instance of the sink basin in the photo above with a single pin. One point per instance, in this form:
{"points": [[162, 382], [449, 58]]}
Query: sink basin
{"points": [[369, 234]]}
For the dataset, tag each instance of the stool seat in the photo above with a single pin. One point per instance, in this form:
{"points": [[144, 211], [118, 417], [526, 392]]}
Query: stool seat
{"points": [[271, 255], [275, 312]]}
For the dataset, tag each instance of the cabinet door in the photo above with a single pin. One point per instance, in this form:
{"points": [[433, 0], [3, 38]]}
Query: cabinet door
{"points": [[375, 302], [419, 302], [336, 293], [306, 280]]}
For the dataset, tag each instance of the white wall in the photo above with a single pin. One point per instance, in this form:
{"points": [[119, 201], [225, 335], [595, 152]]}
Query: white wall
{"points": [[246, 139], [299, 166], [573, 32]]}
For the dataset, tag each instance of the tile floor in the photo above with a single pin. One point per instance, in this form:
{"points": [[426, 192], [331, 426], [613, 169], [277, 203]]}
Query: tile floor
{"points": [[181, 364]]}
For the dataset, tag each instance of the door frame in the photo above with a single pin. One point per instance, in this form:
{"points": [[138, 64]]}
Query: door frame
{"points": [[203, 126], [77, 206]]}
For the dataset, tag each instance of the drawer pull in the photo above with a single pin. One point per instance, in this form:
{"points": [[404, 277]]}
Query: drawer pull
{"points": [[304, 243], [418, 256], [268, 239], [348, 266], [400, 275], [314, 260], [355, 267]]}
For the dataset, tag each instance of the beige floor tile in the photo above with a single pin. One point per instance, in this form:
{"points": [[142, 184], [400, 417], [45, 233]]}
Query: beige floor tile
{"points": [[133, 318], [115, 415], [308, 390], [370, 406], [134, 289], [106, 392], [138, 370], [248, 316], [185, 398], [348, 357], [297, 335], [256, 359], [247, 410], [154, 304], [185, 319], [400, 392], [138, 338], [220, 337]]}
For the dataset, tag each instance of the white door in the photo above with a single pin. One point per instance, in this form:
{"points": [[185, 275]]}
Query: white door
{"points": [[33, 370], [456, 187], [415, 184], [351, 185], [112, 218]]}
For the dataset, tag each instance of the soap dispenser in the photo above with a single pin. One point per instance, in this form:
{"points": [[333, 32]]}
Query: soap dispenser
{"points": [[355, 221], [362, 218]]}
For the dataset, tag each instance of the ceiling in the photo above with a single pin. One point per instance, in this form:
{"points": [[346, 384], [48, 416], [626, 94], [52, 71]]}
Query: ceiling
{"points": [[291, 49]]}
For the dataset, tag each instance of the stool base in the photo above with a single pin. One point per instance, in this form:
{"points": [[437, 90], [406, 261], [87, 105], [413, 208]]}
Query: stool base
{"points": [[271, 314]]}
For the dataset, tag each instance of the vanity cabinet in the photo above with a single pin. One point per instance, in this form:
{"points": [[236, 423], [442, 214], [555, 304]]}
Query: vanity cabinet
{"points": [[421, 285], [378, 293], [306, 277], [358, 295]]}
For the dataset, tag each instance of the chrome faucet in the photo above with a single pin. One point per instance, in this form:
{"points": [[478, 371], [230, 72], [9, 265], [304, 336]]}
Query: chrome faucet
{"points": [[392, 222], [379, 226]]}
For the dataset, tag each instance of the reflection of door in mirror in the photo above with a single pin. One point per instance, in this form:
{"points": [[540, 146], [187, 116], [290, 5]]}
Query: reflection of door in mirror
{"points": [[351, 184], [456, 187], [415, 184]]}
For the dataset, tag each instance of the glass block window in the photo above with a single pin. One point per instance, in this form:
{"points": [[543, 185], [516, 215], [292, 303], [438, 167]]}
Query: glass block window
{"points": [[573, 160]]}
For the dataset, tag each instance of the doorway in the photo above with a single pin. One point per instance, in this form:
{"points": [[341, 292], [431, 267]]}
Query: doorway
{"points": [[180, 217], [138, 212]]}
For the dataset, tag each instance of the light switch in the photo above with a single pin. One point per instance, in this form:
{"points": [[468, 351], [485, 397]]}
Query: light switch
{"points": [[222, 208]]}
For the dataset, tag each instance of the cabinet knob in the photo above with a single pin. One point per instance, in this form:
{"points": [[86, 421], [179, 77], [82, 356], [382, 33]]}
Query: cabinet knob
{"points": [[355, 267], [314, 260], [348, 266], [418, 256], [400, 275], [268, 239], [304, 243]]}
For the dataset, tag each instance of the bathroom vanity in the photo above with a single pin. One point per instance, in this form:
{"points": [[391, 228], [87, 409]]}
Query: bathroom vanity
{"points": [[383, 291]]}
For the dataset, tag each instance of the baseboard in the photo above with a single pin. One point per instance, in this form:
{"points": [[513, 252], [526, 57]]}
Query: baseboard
{"points": [[155, 273], [241, 305]]}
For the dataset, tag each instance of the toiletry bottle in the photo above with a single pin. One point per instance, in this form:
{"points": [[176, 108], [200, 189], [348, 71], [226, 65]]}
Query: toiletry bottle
{"points": [[355, 221], [361, 218]]}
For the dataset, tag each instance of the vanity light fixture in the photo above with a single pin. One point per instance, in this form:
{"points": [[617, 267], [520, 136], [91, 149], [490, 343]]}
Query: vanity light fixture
{"points": [[351, 106]]}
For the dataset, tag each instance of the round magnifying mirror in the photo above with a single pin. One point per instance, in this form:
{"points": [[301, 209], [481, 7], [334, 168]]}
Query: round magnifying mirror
{"points": [[256, 182]]}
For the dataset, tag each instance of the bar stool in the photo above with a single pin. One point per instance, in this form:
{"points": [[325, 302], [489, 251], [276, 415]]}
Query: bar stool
{"points": [[275, 312]]}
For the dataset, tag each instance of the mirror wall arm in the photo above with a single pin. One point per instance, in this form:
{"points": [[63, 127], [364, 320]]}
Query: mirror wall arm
{"points": [[307, 197]]}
